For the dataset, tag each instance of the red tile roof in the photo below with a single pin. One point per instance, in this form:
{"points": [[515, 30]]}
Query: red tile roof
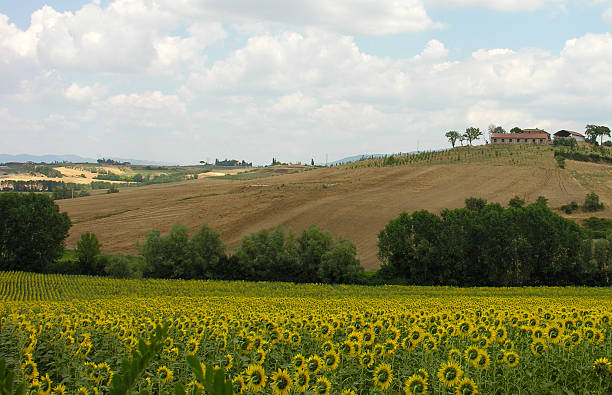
{"points": [[541, 135]]}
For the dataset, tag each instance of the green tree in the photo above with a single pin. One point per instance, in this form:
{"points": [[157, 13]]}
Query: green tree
{"points": [[207, 251], [32, 231], [472, 134], [452, 137], [312, 244], [516, 129], [475, 204], [87, 250], [339, 265], [594, 131], [591, 202], [169, 256], [516, 202]]}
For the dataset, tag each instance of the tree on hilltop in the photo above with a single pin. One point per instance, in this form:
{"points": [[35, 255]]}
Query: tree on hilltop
{"points": [[594, 131], [452, 137], [472, 134]]}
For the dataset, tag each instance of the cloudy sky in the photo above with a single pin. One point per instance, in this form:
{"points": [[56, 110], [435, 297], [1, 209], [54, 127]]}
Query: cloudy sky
{"points": [[189, 80]]}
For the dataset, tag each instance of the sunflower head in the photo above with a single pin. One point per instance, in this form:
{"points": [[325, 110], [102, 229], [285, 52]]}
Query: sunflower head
{"points": [[322, 386], [449, 374], [301, 380], [165, 375], [511, 359], [466, 387], [281, 382], [602, 366], [256, 378], [415, 385], [382, 376]]}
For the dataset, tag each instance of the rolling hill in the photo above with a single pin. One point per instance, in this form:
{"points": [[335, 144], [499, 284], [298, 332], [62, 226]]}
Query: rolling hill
{"points": [[354, 201]]}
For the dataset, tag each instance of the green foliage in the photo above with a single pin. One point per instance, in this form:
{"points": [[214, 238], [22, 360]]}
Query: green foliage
{"points": [[570, 208], [516, 129], [213, 379], [591, 202], [120, 266], [87, 250], [207, 251], [482, 245], [475, 204], [32, 231], [598, 228], [7, 381], [452, 137], [560, 161], [565, 142], [472, 134], [131, 370], [112, 189], [594, 131], [516, 202]]}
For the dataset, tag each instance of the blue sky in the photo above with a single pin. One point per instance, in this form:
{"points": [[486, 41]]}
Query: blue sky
{"points": [[178, 81]]}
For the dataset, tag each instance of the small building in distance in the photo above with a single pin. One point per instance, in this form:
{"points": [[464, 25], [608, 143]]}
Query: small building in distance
{"points": [[529, 136], [569, 134]]}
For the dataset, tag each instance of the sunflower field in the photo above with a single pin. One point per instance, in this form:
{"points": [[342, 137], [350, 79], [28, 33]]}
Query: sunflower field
{"points": [[69, 334]]}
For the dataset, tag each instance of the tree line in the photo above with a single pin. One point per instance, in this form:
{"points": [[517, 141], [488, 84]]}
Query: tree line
{"points": [[481, 244], [490, 245]]}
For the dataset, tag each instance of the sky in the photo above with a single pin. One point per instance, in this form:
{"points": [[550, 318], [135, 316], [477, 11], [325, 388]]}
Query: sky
{"points": [[189, 80]]}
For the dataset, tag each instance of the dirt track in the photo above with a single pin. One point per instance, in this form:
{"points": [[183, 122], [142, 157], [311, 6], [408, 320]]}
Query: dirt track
{"points": [[353, 203]]}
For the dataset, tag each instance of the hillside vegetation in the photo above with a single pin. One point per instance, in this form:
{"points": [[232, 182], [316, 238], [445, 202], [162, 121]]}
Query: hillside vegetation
{"points": [[354, 201]]}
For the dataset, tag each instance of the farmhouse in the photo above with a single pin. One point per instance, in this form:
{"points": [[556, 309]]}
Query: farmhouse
{"points": [[529, 136], [568, 134]]}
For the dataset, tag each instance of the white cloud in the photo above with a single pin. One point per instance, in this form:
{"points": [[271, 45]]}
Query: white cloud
{"points": [[84, 93], [607, 15], [150, 109], [368, 17], [504, 5], [433, 50]]}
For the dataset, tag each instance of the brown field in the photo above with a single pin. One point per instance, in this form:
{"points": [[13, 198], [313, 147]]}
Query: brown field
{"points": [[354, 203]]}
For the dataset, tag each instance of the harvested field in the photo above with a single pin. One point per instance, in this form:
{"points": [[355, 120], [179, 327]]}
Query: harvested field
{"points": [[354, 203]]}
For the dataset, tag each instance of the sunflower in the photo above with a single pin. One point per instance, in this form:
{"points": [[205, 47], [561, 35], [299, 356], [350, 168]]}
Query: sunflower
{"points": [[281, 382], [227, 362], [508, 345], [382, 376], [260, 357], [295, 338], [553, 334], [301, 378], [466, 387], [238, 385], [256, 378], [44, 385], [449, 374], [59, 389], [29, 369], [602, 366], [390, 346], [501, 334], [471, 354], [171, 354], [538, 346], [368, 336], [191, 347], [366, 359], [322, 386], [416, 335], [346, 348], [165, 375], [298, 361], [511, 358], [454, 355], [314, 364], [348, 391], [423, 373], [82, 391], [379, 350], [331, 360], [415, 385], [484, 360]]}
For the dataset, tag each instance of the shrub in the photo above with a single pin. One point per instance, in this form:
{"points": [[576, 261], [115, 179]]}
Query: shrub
{"points": [[516, 202], [570, 208], [591, 202], [122, 266]]}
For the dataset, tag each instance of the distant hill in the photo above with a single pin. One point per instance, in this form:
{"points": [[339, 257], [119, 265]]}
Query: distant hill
{"points": [[356, 158], [71, 158]]}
